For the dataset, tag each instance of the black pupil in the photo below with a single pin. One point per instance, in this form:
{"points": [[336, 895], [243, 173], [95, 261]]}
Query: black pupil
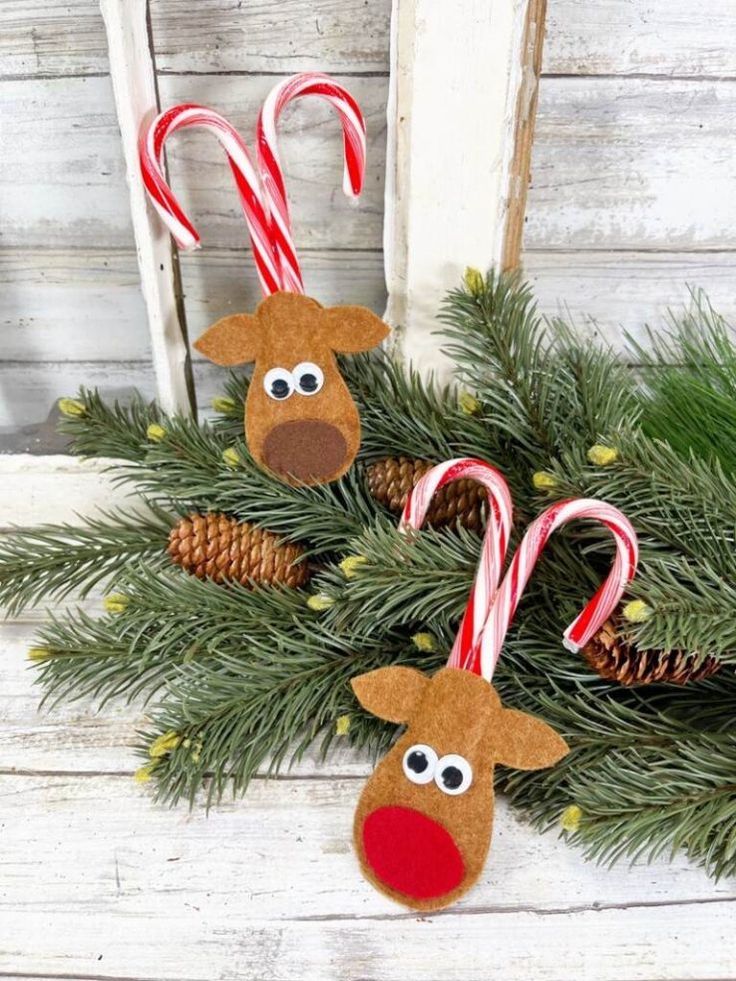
{"points": [[417, 761], [452, 777], [280, 388], [308, 382]]}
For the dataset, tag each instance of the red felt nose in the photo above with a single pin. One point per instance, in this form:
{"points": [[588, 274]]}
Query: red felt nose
{"points": [[411, 853]]}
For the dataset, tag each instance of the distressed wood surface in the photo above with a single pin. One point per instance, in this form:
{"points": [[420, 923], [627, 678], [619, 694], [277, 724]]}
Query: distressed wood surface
{"points": [[617, 164], [434, 228], [586, 37], [135, 90], [97, 882], [62, 176], [81, 305]]}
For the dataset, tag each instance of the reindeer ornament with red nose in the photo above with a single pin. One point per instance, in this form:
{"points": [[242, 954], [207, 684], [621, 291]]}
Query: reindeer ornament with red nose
{"points": [[300, 420], [424, 821]]}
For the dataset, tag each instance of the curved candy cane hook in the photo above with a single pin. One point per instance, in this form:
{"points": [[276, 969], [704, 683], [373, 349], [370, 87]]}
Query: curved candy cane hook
{"points": [[466, 649], [598, 609], [354, 142], [151, 153]]}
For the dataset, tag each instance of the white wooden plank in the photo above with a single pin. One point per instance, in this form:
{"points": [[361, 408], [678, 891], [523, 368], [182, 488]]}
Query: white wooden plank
{"points": [[28, 391], [136, 100], [98, 881], [211, 35], [72, 305], [54, 489], [668, 37], [629, 164], [62, 175], [633, 164], [609, 294], [76, 737], [447, 191], [322, 35], [35, 38], [86, 305], [652, 37]]}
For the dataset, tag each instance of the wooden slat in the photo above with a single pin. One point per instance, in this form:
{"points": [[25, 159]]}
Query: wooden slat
{"points": [[650, 37], [99, 882], [135, 90], [74, 305], [664, 37], [618, 164], [607, 294], [323, 35], [85, 305], [63, 181], [75, 736], [633, 164]]}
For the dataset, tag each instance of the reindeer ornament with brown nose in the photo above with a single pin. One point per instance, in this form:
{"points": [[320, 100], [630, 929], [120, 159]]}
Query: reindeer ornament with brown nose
{"points": [[424, 821], [301, 422]]}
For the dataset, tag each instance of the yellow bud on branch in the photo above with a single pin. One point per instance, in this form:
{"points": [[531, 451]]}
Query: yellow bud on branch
{"points": [[156, 433], [544, 481], [570, 818], [231, 458], [72, 408], [352, 564], [424, 642], [637, 611], [602, 456], [342, 725], [164, 744]]}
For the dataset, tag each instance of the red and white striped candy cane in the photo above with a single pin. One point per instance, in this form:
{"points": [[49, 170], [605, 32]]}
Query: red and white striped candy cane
{"points": [[466, 649], [277, 205], [600, 606], [151, 153]]}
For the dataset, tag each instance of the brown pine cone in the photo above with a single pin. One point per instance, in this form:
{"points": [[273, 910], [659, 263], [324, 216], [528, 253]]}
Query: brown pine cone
{"points": [[616, 659], [391, 479], [214, 546]]}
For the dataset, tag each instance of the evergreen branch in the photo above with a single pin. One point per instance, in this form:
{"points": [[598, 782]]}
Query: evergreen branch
{"points": [[168, 619], [265, 706], [690, 375], [54, 561], [116, 431]]}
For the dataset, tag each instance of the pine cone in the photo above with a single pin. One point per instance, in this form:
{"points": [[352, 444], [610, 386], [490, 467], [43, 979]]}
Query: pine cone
{"points": [[390, 480], [617, 659], [217, 547]]}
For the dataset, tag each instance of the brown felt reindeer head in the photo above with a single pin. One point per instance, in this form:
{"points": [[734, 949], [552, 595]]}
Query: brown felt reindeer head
{"points": [[300, 420], [424, 821]]}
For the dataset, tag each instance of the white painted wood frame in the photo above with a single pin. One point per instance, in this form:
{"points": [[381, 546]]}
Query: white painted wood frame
{"points": [[460, 124], [133, 76], [461, 109]]}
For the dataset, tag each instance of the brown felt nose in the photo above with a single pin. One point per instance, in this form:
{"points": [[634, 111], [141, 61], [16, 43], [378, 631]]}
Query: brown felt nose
{"points": [[308, 449]]}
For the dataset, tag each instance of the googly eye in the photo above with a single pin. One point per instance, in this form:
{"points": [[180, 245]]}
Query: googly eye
{"points": [[278, 383], [308, 378], [419, 763], [453, 774]]}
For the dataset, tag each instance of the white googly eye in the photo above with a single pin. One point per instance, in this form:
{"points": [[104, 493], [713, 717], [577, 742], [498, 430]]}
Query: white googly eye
{"points": [[453, 774], [278, 383], [419, 763], [308, 378]]}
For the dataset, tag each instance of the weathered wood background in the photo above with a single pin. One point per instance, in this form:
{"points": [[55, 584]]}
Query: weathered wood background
{"points": [[633, 196]]}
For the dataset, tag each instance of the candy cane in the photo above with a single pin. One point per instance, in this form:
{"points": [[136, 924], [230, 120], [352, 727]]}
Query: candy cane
{"points": [[600, 606], [277, 205], [465, 651], [151, 153]]}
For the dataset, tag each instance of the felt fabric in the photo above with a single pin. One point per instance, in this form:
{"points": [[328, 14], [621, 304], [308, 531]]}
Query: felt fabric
{"points": [[287, 330], [455, 712]]}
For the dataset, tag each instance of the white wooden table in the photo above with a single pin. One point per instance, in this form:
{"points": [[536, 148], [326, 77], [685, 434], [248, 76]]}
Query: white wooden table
{"points": [[97, 882]]}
